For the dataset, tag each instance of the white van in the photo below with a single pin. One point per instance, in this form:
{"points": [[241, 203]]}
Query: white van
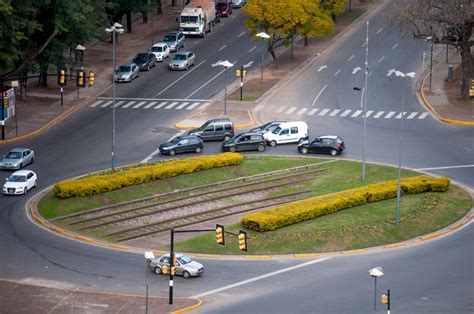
{"points": [[288, 132]]}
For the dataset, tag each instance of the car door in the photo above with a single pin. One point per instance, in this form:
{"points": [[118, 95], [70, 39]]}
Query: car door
{"points": [[326, 145], [166, 51], [294, 134], [284, 136], [192, 58], [28, 157], [180, 40], [315, 146], [29, 180], [219, 131], [24, 158], [183, 146], [208, 132]]}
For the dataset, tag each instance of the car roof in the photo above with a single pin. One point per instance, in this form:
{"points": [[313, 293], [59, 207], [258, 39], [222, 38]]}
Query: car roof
{"points": [[332, 137], [18, 149], [21, 172], [182, 53], [173, 33], [220, 120], [250, 133], [159, 44], [127, 64], [188, 136]]}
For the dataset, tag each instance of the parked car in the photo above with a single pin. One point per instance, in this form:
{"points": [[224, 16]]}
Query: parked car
{"points": [[175, 40], [185, 266], [224, 8], [327, 144], [238, 3], [161, 51], [182, 144], [145, 60], [17, 158], [20, 182], [182, 60], [215, 130], [267, 127], [126, 72], [288, 132], [245, 141]]}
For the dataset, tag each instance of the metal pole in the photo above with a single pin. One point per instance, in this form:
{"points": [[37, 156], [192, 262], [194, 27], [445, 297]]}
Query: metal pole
{"points": [[261, 67], [447, 51], [113, 99], [388, 305], [146, 298], [171, 263], [375, 294], [241, 80], [62, 93], [365, 98], [3, 110], [225, 91], [397, 214], [431, 62], [151, 17]]}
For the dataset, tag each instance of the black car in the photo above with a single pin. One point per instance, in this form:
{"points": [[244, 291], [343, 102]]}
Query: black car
{"points": [[267, 127], [182, 144], [215, 130], [245, 141], [145, 60], [327, 144]]}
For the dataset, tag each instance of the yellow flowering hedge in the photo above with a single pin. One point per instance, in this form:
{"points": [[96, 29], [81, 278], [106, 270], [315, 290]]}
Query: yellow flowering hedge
{"points": [[100, 183], [299, 211]]}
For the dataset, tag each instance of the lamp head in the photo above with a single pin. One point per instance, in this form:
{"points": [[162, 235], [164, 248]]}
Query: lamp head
{"points": [[149, 255], [376, 272], [263, 35]]}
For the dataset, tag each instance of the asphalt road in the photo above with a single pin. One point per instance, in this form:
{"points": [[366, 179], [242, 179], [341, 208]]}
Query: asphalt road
{"points": [[435, 276]]}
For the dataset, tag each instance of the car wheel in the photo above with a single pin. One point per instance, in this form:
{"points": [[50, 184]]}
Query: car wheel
{"points": [[226, 137], [261, 148], [186, 68], [25, 191], [157, 270], [172, 152], [273, 143], [198, 150], [232, 149], [304, 150], [186, 274], [333, 152]]}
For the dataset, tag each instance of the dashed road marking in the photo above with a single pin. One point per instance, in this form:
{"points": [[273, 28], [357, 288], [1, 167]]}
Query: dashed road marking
{"points": [[379, 31], [337, 72], [395, 46], [380, 60], [253, 48], [389, 115], [350, 58], [222, 48], [241, 34]]}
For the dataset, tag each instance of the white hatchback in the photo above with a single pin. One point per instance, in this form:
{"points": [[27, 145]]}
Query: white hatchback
{"points": [[287, 132], [161, 51], [20, 182]]}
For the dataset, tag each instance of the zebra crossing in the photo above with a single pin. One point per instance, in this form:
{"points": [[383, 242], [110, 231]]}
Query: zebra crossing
{"points": [[151, 104]]}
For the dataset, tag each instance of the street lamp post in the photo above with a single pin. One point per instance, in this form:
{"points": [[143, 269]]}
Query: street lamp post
{"points": [[149, 256], [363, 107], [79, 48], [114, 29], [226, 64], [263, 36], [376, 272]]}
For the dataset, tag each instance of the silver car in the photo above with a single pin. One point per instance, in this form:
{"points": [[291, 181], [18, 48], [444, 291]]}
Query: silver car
{"points": [[185, 266], [126, 72], [17, 158], [182, 60], [175, 40]]}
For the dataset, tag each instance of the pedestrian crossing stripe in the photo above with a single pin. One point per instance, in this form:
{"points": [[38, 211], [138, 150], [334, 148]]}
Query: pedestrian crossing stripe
{"points": [[141, 103], [194, 105], [128, 104], [313, 111], [345, 113], [334, 112], [302, 111], [290, 111], [106, 104], [379, 114], [356, 114], [323, 112], [390, 114], [182, 105], [150, 105]]}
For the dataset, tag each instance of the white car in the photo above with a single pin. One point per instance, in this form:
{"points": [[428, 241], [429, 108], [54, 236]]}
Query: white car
{"points": [[185, 266], [20, 182], [161, 51], [288, 132]]}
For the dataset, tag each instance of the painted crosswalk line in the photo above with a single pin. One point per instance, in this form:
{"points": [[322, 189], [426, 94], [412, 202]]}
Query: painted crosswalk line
{"points": [[412, 115], [129, 104], [290, 111], [356, 114], [150, 105], [106, 104], [174, 103], [389, 115], [323, 112], [313, 111], [423, 115], [161, 104], [193, 105], [345, 113], [184, 104], [302, 111], [379, 114], [95, 104], [334, 112], [141, 103]]}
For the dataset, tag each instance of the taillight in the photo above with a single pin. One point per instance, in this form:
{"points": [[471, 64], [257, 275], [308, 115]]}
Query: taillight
{"points": [[233, 129], [338, 146]]}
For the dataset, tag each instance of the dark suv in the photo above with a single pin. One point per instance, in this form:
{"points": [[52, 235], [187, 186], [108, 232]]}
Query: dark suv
{"points": [[245, 141], [215, 130], [327, 144], [182, 144]]}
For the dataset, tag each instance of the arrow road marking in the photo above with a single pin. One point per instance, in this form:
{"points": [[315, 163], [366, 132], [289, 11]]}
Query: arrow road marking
{"points": [[322, 68], [355, 70], [319, 94]]}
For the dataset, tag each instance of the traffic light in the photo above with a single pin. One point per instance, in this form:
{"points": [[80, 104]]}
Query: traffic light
{"points": [[237, 73], [91, 78], [243, 240], [62, 77], [80, 79], [384, 299], [220, 234], [164, 269], [471, 91], [244, 73], [5, 103], [173, 270], [174, 260]]}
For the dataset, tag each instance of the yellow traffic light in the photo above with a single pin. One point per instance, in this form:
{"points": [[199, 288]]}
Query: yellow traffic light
{"points": [[91, 78], [220, 234], [81, 78], [471, 91], [237, 73], [244, 73], [165, 269], [62, 77], [384, 299], [5, 103], [174, 260], [243, 240], [173, 270]]}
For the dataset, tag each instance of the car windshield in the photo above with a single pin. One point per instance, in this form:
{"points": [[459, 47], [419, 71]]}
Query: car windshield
{"points": [[141, 57], [17, 178], [176, 140], [189, 19], [221, 5], [179, 56], [13, 155], [157, 49], [183, 260], [124, 68], [277, 130], [170, 38]]}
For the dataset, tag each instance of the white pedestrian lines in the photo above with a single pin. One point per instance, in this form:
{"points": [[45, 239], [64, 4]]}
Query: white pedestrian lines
{"points": [[390, 114], [423, 115], [174, 103], [313, 111], [368, 113], [412, 115], [323, 112], [302, 111], [395, 46], [184, 104], [204, 105], [150, 105], [280, 109], [337, 72], [345, 113], [106, 104], [141, 103], [98, 102], [334, 112], [356, 113], [161, 104], [379, 31], [119, 103], [193, 105], [379, 114], [399, 116], [290, 111], [130, 103]]}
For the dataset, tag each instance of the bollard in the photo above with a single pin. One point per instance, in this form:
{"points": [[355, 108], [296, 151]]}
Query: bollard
{"points": [[450, 73]]}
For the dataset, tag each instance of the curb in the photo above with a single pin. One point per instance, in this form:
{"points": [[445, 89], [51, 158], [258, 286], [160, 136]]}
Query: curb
{"points": [[189, 308], [237, 126]]}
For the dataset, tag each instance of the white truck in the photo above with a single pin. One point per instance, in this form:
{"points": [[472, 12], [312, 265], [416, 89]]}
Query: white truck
{"points": [[198, 17]]}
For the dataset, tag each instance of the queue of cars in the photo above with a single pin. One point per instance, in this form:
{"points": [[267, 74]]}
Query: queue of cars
{"points": [[20, 181]]}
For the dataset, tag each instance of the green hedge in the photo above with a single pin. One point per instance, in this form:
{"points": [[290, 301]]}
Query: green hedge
{"points": [[299, 211], [101, 183]]}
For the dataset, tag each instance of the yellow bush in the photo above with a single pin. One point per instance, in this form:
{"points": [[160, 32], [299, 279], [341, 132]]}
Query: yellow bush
{"points": [[133, 175], [299, 211]]}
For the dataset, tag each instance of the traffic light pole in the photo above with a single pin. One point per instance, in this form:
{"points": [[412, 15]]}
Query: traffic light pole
{"points": [[3, 110], [388, 304], [241, 80]]}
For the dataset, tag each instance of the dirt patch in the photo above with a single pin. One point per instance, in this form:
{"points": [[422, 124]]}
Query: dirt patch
{"points": [[453, 91]]}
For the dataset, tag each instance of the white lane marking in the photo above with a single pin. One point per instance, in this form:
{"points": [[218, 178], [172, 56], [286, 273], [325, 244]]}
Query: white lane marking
{"points": [[368, 113], [303, 110], [447, 167], [350, 58], [233, 17], [174, 103], [147, 158], [378, 114], [181, 77], [337, 72], [356, 114], [182, 105], [280, 109], [241, 34], [313, 111], [193, 105], [334, 112], [222, 48], [345, 113], [129, 104], [150, 99], [141, 103], [119, 103], [399, 116], [204, 105], [323, 112], [356, 69], [319, 94], [389, 115], [380, 60], [196, 42], [395, 46], [161, 104], [322, 68], [364, 44], [203, 85], [423, 115], [150, 105], [253, 48], [379, 31], [370, 73], [98, 102], [244, 282], [412, 115], [291, 110], [106, 104]]}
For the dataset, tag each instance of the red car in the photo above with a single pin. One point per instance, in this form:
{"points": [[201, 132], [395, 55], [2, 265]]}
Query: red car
{"points": [[224, 8]]}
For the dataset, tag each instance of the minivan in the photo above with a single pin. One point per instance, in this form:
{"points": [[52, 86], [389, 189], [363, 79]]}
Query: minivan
{"points": [[215, 130], [175, 40], [244, 141], [288, 132]]}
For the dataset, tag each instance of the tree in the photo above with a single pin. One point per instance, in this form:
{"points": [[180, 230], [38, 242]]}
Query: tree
{"points": [[334, 7], [447, 22], [282, 19]]}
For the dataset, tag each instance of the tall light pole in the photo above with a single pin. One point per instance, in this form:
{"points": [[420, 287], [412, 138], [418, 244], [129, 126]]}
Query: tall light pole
{"points": [[114, 29], [263, 36], [226, 64], [376, 272], [79, 50], [402, 75], [149, 256]]}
